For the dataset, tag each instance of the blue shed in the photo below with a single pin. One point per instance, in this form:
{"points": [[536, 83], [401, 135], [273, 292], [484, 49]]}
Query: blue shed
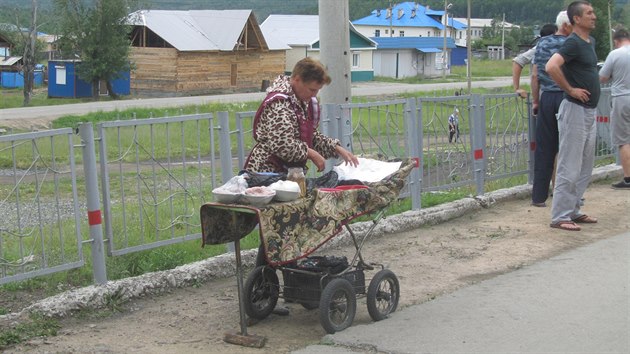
{"points": [[458, 56], [63, 81], [11, 75], [12, 79]]}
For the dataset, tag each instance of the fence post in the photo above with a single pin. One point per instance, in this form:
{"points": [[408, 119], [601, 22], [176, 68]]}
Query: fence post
{"points": [[93, 203], [225, 147], [225, 154], [532, 140], [413, 118], [478, 141], [105, 192]]}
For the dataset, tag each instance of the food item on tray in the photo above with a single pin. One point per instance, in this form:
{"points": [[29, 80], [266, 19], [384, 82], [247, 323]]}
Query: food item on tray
{"points": [[260, 191], [286, 190], [258, 196]]}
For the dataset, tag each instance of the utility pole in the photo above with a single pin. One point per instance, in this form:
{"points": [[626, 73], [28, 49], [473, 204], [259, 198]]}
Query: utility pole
{"points": [[334, 44], [610, 36], [444, 61], [503, 38], [391, 16], [468, 48]]}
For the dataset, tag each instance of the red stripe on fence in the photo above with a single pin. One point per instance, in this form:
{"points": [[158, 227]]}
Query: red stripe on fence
{"points": [[479, 154], [94, 217]]}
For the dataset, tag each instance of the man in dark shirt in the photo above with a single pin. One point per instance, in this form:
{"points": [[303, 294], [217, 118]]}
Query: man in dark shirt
{"points": [[574, 69], [550, 97]]}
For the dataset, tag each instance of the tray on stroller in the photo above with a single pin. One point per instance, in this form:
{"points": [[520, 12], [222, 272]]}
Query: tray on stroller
{"points": [[293, 230]]}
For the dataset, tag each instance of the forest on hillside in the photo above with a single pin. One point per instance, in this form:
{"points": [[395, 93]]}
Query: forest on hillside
{"points": [[522, 12]]}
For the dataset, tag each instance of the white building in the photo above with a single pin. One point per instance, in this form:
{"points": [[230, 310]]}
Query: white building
{"points": [[301, 34]]}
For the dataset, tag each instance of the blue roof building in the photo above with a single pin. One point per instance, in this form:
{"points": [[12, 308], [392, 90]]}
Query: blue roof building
{"points": [[400, 57], [410, 40], [407, 19]]}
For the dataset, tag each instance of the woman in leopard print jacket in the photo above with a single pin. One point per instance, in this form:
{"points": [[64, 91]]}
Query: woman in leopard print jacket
{"points": [[285, 125]]}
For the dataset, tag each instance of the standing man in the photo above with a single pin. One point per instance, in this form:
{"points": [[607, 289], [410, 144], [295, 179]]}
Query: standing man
{"points": [[527, 58], [453, 126], [617, 70], [574, 69], [549, 104]]}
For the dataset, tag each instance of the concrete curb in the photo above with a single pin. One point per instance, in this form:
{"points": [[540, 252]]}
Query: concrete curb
{"points": [[222, 266]]}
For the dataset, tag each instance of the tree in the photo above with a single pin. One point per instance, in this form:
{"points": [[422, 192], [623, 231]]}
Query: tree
{"points": [[29, 57], [97, 35], [25, 42]]}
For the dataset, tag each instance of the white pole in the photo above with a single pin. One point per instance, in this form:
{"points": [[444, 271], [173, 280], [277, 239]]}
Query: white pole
{"points": [[334, 44], [503, 38], [468, 49], [444, 49]]}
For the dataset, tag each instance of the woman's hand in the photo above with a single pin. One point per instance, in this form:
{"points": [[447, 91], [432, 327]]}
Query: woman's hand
{"points": [[318, 160], [347, 156]]}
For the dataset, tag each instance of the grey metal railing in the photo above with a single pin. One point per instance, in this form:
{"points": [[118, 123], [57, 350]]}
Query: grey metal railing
{"points": [[41, 212], [155, 173]]}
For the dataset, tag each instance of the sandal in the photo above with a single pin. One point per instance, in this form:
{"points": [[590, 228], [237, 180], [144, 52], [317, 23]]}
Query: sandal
{"points": [[566, 225], [585, 219]]}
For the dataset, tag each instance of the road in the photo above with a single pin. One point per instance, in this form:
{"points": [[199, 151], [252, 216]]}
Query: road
{"points": [[576, 302], [41, 116]]}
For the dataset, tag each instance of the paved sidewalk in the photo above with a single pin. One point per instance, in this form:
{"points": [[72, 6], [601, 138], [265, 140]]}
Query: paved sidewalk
{"points": [[577, 302]]}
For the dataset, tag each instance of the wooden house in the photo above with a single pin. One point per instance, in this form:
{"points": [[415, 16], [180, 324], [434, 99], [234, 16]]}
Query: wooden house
{"points": [[180, 53]]}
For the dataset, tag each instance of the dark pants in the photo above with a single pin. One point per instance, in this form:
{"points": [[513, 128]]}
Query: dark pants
{"points": [[546, 144], [454, 132]]}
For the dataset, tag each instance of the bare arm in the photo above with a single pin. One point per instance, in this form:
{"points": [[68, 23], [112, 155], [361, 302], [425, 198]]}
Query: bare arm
{"points": [[517, 69]]}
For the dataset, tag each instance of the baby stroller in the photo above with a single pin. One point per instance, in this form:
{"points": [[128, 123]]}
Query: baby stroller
{"points": [[328, 283], [291, 231]]}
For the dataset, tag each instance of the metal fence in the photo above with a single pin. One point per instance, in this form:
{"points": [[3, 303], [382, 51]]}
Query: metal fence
{"points": [[154, 173], [40, 231]]}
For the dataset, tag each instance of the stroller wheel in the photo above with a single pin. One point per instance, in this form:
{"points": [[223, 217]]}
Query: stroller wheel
{"points": [[337, 306], [383, 294], [261, 292]]}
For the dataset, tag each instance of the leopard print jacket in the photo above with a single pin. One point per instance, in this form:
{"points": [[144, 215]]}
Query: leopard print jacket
{"points": [[278, 134]]}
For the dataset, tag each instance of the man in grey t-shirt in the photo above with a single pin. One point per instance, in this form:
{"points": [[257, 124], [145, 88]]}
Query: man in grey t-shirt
{"points": [[616, 70]]}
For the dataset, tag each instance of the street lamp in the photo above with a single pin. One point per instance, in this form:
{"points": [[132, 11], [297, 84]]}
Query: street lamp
{"points": [[446, 8]]}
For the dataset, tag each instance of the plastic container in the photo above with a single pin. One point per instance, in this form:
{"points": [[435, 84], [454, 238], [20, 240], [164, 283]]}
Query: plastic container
{"points": [[296, 174]]}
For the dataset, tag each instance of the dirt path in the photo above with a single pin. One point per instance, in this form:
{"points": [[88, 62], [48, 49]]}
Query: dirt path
{"points": [[428, 261]]}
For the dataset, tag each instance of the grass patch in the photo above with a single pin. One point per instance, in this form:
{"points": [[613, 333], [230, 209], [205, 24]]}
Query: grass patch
{"points": [[35, 326], [484, 68], [14, 98]]}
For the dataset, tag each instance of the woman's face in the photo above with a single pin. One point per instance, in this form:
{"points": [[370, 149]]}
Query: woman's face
{"points": [[305, 90]]}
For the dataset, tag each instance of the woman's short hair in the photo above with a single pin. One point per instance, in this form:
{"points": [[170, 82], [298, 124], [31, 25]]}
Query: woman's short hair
{"points": [[309, 70]]}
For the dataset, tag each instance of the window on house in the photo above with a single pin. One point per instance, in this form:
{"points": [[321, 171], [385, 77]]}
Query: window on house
{"points": [[377, 33], [401, 33], [60, 75], [386, 31], [356, 60]]}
